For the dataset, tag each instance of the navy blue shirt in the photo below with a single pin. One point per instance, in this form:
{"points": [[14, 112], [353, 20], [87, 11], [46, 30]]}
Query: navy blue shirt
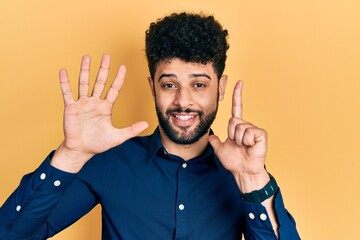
{"points": [[145, 193]]}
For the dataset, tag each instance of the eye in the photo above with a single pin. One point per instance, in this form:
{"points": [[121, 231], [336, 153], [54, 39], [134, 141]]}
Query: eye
{"points": [[168, 85], [199, 85]]}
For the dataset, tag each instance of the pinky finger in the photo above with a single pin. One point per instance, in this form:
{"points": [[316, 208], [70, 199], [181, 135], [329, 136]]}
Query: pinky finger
{"points": [[65, 87], [116, 85]]}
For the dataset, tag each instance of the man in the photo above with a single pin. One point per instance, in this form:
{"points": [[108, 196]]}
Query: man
{"points": [[181, 182]]}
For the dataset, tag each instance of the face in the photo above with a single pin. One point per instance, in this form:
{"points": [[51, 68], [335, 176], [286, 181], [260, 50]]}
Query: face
{"points": [[186, 98]]}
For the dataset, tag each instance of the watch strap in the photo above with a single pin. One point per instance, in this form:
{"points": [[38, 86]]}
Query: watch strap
{"points": [[262, 194]]}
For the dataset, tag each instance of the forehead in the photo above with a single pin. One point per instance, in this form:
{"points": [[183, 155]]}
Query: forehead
{"points": [[180, 67]]}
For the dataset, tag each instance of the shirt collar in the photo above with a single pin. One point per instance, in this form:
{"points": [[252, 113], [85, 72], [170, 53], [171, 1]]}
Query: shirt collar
{"points": [[155, 146]]}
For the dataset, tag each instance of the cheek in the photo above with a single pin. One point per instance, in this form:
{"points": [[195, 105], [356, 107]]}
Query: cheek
{"points": [[162, 101], [207, 101]]}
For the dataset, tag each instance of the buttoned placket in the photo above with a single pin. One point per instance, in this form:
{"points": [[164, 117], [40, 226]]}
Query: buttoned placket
{"points": [[182, 202]]}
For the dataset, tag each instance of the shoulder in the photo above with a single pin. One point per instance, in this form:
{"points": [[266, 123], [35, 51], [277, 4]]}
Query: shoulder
{"points": [[115, 159], [133, 145]]}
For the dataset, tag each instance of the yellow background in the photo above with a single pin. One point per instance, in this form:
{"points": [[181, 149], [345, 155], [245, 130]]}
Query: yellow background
{"points": [[299, 60]]}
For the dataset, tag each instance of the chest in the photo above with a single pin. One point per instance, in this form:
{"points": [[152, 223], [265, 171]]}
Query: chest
{"points": [[172, 201]]}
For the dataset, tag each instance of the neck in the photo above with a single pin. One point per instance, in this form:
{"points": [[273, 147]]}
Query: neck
{"points": [[185, 151]]}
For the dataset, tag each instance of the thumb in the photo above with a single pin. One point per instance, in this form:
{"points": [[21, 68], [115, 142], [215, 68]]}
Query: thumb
{"points": [[132, 131], [215, 142]]}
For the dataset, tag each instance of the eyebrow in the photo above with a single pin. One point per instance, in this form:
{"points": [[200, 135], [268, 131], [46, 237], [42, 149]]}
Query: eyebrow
{"points": [[194, 75], [167, 75]]}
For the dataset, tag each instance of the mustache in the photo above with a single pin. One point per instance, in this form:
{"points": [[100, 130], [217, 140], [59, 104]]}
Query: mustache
{"points": [[180, 110]]}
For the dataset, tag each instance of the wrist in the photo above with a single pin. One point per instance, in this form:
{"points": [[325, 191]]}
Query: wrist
{"points": [[251, 182], [69, 160]]}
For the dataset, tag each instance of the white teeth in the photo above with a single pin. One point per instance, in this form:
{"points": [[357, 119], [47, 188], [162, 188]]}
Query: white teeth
{"points": [[184, 118]]}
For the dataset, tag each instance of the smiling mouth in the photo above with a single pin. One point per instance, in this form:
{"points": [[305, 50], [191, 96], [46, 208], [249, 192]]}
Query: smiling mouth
{"points": [[184, 117], [183, 120]]}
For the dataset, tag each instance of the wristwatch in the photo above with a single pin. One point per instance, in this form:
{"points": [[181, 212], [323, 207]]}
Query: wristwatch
{"points": [[261, 195]]}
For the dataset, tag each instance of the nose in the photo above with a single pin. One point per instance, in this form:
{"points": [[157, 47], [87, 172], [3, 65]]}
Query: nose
{"points": [[183, 98]]}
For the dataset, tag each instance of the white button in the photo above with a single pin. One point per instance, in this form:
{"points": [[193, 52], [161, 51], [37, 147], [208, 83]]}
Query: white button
{"points": [[181, 207], [42, 176], [165, 152], [18, 208], [263, 216], [184, 165], [251, 216], [57, 183]]}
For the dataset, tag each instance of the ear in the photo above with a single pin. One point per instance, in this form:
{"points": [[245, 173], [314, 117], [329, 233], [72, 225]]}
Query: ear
{"points": [[222, 86], [152, 87]]}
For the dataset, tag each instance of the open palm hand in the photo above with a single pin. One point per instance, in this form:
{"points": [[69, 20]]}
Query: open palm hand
{"points": [[88, 126]]}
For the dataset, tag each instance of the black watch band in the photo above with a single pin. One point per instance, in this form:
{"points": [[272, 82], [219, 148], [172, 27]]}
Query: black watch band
{"points": [[261, 195]]}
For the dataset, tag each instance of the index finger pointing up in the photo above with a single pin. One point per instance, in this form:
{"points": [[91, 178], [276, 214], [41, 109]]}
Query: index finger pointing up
{"points": [[237, 100]]}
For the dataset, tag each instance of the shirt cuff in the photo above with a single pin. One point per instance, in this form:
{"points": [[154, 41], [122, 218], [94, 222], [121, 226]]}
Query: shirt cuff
{"points": [[258, 221], [257, 217], [37, 193], [49, 178]]}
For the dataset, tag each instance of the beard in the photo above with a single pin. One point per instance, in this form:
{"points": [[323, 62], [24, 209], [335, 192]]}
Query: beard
{"points": [[185, 136]]}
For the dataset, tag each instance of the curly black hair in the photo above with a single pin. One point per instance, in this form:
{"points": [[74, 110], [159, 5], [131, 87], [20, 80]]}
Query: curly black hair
{"points": [[190, 37]]}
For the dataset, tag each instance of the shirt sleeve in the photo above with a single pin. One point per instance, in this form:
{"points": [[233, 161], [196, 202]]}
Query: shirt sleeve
{"points": [[258, 225], [46, 201]]}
